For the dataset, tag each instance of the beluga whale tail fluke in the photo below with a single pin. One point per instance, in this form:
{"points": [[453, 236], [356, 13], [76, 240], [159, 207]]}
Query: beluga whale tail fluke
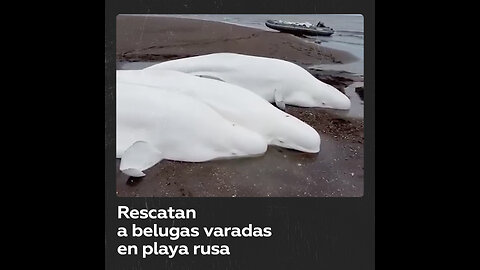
{"points": [[277, 81], [139, 157]]}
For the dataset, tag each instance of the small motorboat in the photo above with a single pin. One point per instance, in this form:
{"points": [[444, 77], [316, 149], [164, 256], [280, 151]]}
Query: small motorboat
{"points": [[296, 28]]}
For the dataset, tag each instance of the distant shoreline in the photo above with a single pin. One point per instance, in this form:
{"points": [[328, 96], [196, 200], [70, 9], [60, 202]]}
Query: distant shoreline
{"points": [[157, 38]]}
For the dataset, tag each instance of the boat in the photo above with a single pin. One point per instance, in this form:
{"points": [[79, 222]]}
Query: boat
{"points": [[296, 28]]}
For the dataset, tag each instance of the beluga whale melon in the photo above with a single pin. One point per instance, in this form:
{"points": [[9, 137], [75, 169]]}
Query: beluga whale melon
{"points": [[154, 124], [273, 79], [234, 103]]}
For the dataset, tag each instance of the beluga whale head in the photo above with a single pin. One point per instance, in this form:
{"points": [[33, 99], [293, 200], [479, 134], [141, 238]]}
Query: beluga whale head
{"points": [[301, 140], [300, 88]]}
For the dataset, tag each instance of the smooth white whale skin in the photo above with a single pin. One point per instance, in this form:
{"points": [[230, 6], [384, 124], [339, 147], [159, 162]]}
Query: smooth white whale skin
{"points": [[234, 103], [273, 79], [153, 124]]}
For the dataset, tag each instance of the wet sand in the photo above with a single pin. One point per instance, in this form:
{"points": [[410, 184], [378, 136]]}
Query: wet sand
{"points": [[279, 173], [337, 171]]}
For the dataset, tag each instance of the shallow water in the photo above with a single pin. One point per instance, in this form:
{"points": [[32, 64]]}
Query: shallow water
{"points": [[134, 65], [356, 109]]}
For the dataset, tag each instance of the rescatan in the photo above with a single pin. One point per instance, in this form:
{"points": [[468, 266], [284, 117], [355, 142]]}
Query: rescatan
{"points": [[169, 213]]}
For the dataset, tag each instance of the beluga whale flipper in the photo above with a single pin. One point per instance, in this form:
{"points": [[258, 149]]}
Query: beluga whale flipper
{"points": [[234, 103], [279, 101], [154, 124], [264, 76], [138, 157]]}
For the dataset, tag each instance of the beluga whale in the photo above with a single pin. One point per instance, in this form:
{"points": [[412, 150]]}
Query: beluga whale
{"points": [[234, 103], [277, 81], [154, 124]]}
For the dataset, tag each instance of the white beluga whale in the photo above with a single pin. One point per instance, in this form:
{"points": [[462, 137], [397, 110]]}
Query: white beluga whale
{"points": [[273, 79], [153, 124], [234, 103]]}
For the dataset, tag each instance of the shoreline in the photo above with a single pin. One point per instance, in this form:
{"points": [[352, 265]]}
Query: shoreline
{"points": [[157, 38]]}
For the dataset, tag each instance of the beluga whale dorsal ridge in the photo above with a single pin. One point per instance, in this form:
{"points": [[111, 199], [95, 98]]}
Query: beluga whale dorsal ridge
{"points": [[234, 103], [154, 124], [267, 77]]}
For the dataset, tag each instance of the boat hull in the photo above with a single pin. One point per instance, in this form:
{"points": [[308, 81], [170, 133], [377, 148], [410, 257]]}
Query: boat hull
{"points": [[299, 30]]}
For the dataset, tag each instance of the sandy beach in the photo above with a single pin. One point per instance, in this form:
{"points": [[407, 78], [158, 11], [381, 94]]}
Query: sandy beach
{"points": [[141, 38], [336, 171]]}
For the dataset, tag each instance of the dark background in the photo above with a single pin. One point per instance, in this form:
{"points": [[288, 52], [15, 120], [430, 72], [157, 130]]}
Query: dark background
{"points": [[308, 233]]}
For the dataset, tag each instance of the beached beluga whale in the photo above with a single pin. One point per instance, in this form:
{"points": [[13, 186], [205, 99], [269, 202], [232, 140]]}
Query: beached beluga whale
{"points": [[234, 103], [153, 124], [273, 79]]}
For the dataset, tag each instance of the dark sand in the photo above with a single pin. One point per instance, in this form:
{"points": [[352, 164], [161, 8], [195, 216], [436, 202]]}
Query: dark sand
{"points": [[336, 171], [141, 38]]}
